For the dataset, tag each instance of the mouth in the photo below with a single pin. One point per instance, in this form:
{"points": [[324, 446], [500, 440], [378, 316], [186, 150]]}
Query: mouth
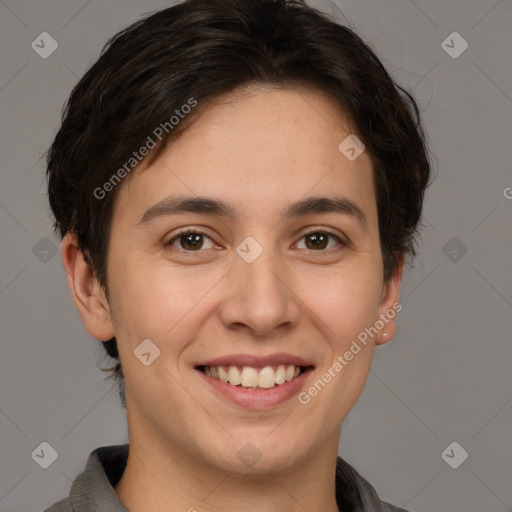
{"points": [[256, 378], [256, 382]]}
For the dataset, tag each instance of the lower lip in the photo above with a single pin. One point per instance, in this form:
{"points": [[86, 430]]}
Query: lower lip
{"points": [[258, 398]]}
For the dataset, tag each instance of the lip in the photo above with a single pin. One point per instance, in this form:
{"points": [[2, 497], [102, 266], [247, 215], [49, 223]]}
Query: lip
{"points": [[255, 361], [258, 399]]}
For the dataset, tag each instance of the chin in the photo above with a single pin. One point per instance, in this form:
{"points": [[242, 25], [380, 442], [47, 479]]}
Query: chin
{"points": [[255, 454]]}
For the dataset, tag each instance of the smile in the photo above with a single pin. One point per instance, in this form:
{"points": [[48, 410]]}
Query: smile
{"points": [[253, 381], [253, 378]]}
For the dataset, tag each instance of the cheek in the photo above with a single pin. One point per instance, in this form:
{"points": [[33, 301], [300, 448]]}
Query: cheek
{"points": [[346, 306], [140, 304], [346, 302], [159, 302]]}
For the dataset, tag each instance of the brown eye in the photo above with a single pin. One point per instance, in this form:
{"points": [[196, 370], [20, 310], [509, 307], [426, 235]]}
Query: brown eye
{"points": [[189, 240], [318, 240]]}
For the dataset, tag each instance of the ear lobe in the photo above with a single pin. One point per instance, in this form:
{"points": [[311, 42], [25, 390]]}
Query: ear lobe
{"points": [[390, 305], [87, 293]]}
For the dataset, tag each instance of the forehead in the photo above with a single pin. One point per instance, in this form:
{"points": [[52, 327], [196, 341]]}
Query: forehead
{"points": [[265, 143], [252, 116]]}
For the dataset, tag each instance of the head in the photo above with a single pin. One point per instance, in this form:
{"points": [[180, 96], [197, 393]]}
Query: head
{"points": [[246, 102]]}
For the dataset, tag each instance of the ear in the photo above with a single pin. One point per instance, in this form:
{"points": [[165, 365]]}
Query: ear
{"points": [[87, 293], [390, 305]]}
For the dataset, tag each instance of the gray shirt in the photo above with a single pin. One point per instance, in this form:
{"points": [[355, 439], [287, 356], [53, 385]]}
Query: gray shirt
{"points": [[93, 489]]}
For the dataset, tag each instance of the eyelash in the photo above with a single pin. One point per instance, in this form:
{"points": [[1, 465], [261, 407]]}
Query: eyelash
{"points": [[314, 230]]}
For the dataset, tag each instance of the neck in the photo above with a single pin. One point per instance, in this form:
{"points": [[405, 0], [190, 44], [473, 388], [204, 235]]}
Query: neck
{"points": [[167, 478]]}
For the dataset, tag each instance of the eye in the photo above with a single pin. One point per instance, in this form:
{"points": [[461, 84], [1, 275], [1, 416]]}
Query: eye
{"points": [[190, 240], [319, 239]]}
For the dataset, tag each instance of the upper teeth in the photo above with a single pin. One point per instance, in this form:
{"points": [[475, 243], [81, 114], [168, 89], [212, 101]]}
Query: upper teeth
{"points": [[249, 377]]}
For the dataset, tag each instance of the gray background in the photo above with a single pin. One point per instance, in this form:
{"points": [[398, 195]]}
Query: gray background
{"points": [[447, 374]]}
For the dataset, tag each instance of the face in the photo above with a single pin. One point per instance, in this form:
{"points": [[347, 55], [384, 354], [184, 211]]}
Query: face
{"points": [[256, 284]]}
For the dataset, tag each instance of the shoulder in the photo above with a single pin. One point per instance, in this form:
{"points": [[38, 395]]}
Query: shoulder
{"points": [[361, 494], [61, 506], [92, 489]]}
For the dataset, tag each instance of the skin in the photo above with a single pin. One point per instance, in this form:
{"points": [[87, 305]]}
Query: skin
{"points": [[255, 147]]}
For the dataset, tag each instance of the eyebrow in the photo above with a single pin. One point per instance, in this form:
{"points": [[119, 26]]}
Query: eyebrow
{"points": [[215, 207]]}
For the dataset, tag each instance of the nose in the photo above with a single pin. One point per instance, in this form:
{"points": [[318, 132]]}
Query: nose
{"points": [[260, 297]]}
